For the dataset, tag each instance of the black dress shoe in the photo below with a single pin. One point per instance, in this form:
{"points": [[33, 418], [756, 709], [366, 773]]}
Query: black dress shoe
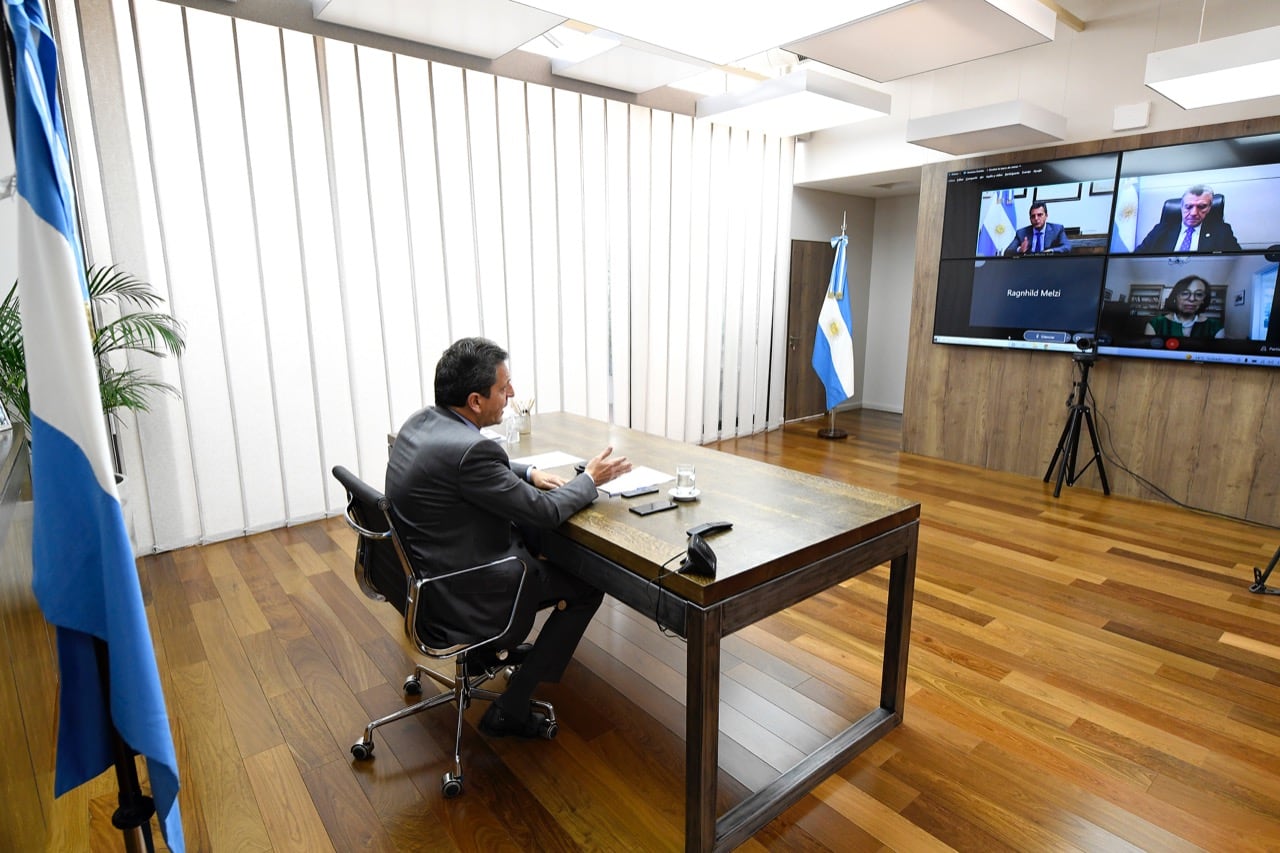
{"points": [[495, 723]]}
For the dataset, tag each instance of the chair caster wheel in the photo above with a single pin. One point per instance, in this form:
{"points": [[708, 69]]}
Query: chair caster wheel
{"points": [[362, 751], [451, 786], [549, 730], [412, 686]]}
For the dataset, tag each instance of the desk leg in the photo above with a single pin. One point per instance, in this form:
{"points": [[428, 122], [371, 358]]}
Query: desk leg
{"points": [[897, 631], [701, 727]]}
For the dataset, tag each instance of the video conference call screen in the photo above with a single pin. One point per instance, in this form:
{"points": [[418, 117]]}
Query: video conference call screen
{"points": [[1167, 253]]}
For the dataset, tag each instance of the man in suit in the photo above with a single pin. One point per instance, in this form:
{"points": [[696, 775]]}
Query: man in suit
{"points": [[1192, 233], [458, 501], [1040, 236]]}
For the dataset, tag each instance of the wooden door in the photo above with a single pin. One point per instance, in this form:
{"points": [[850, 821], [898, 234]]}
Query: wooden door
{"points": [[810, 274]]}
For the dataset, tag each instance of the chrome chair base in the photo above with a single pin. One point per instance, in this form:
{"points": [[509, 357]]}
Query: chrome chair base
{"points": [[462, 688]]}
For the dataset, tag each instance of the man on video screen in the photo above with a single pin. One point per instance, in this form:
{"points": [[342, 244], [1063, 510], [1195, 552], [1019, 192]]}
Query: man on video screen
{"points": [[1196, 231], [1040, 236]]}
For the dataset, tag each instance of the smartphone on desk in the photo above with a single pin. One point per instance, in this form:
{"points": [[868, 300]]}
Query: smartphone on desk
{"points": [[655, 506], [642, 490]]}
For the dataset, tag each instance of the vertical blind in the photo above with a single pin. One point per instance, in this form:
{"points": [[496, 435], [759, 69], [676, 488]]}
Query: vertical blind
{"points": [[325, 218]]}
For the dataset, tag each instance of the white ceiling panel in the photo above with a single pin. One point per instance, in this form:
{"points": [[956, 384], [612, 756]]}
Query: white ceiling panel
{"points": [[484, 28], [716, 31], [629, 68], [929, 34], [994, 127]]}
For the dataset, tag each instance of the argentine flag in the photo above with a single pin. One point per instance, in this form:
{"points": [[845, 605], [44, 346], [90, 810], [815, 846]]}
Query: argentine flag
{"points": [[833, 343], [997, 228], [84, 578], [1124, 234]]}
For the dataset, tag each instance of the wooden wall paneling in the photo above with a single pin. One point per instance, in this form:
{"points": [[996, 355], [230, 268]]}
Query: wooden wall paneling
{"points": [[1219, 468], [1264, 496], [1123, 403], [924, 397], [1041, 400], [1198, 432]]}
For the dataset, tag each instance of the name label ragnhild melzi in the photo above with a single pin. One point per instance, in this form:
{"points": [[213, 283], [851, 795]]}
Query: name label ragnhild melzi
{"points": [[1041, 292]]}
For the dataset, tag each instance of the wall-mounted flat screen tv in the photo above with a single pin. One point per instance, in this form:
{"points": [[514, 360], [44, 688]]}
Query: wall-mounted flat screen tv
{"points": [[1195, 247], [1209, 308], [1167, 253], [1001, 283]]}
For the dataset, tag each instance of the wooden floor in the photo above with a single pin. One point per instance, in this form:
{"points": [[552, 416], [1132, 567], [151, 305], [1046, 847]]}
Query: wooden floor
{"points": [[1087, 673]]}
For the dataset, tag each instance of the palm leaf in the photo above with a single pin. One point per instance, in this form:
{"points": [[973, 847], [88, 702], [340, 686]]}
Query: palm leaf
{"points": [[152, 332], [139, 328]]}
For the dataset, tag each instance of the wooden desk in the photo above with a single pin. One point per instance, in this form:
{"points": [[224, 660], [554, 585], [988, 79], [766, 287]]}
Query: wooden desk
{"points": [[794, 535]]}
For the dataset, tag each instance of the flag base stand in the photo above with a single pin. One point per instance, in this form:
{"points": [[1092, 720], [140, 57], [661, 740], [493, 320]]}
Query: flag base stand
{"points": [[133, 817], [830, 431]]}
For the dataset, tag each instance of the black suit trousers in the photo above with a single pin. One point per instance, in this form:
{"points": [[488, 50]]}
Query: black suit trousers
{"points": [[546, 586]]}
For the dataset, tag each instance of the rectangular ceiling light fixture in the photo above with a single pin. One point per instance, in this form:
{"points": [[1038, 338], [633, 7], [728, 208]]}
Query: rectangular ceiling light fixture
{"points": [[797, 103], [484, 28], [995, 127], [629, 66], [1222, 71], [715, 31], [912, 38]]}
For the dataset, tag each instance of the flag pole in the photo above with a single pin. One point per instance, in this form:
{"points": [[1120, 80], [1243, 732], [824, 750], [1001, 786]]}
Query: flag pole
{"points": [[6, 69], [133, 816], [830, 431]]}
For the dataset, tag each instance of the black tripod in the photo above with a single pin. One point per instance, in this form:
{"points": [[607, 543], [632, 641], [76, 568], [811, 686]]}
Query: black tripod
{"points": [[1260, 577], [1069, 443]]}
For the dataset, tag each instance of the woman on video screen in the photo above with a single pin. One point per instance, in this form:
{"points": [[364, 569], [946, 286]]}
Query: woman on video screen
{"points": [[1182, 317]]}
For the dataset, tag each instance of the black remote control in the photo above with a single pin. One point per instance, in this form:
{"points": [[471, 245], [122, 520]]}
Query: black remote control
{"points": [[709, 528]]}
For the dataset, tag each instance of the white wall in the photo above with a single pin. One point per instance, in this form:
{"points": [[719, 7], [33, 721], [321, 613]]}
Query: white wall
{"points": [[889, 303], [1081, 75], [817, 215]]}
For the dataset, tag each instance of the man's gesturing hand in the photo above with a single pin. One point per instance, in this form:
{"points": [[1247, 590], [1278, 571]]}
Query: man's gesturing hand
{"points": [[603, 469]]}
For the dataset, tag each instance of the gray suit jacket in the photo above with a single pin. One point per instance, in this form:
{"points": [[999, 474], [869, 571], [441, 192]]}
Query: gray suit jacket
{"points": [[456, 498]]}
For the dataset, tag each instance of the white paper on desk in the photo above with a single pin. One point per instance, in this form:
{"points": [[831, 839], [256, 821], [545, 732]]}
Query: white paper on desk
{"points": [[499, 437], [636, 478], [554, 459]]}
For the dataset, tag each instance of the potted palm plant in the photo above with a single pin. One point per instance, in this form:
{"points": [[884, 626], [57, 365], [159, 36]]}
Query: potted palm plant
{"points": [[137, 326]]}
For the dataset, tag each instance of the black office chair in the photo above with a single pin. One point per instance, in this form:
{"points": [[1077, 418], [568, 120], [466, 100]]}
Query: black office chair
{"points": [[1172, 213], [385, 572]]}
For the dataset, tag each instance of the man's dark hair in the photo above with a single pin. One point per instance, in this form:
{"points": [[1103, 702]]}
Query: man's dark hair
{"points": [[469, 364], [1040, 205]]}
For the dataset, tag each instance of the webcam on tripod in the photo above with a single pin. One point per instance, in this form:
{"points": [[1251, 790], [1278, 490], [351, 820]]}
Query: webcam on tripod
{"points": [[1080, 420], [1088, 347]]}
